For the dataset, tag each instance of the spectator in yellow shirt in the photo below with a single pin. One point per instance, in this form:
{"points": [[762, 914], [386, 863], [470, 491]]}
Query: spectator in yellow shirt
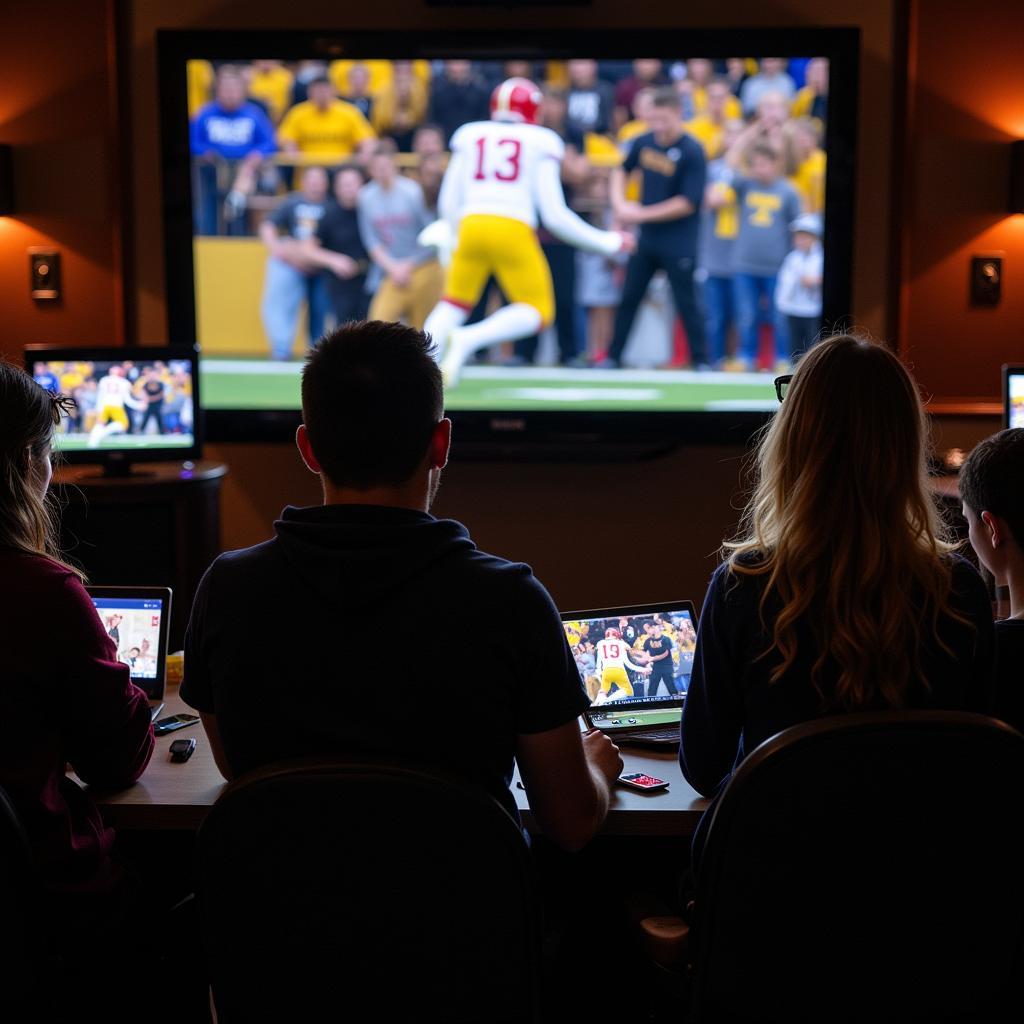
{"points": [[325, 126], [805, 161], [701, 74], [270, 82], [400, 107], [812, 99], [720, 107]]}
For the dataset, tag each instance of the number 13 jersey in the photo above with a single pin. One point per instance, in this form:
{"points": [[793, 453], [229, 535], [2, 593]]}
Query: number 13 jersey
{"points": [[498, 165]]}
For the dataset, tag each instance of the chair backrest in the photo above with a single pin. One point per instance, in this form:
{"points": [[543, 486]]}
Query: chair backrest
{"points": [[866, 867], [366, 890]]}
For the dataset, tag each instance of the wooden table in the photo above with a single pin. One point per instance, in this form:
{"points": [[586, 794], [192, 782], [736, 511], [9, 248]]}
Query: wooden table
{"points": [[177, 796]]}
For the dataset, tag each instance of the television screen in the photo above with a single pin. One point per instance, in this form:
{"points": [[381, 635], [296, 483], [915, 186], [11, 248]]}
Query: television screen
{"points": [[634, 660], [139, 404], [1013, 411], [584, 232]]}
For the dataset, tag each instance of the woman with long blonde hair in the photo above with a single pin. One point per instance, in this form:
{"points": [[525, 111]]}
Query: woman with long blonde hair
{"points": [[64, 694], [841, 593]]}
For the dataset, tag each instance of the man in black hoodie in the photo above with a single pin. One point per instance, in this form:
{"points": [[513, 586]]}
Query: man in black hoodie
{"points": [[375, 432]]}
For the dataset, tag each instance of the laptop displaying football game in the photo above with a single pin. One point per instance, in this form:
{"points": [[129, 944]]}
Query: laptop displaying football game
{"points": [[137, 619], [1013, 396], [635, 665]]}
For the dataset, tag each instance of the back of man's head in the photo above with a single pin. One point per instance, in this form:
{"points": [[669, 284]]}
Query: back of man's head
{"points": [[371, 398], [992, 479]]}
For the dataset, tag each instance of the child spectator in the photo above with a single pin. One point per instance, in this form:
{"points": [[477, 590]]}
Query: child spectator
{"points": [[992, 489], [798, 288], [768, 205], [719, 225], [598, 278]]}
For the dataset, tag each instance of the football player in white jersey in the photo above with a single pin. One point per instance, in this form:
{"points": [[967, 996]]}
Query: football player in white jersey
{"points": [[113, 393], [501, 175], [612, 662]]}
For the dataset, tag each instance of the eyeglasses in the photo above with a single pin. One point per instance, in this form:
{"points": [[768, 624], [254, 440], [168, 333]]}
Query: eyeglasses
{"points": [[782, 385]]}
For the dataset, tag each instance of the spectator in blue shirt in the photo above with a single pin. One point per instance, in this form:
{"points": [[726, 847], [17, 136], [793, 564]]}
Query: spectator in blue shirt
{"points": [[230, 131]]}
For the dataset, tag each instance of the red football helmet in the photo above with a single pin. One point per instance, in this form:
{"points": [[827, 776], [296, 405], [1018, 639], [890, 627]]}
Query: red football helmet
{"points": [[516, 99], [613, 634]]}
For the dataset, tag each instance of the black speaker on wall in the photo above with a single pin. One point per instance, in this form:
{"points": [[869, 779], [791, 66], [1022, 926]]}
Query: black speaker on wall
{"points": [[1017, 176]]}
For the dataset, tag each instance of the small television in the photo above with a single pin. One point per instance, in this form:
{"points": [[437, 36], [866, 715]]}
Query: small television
{"points": [[546, 396], [1013, 395], [132, 404]]}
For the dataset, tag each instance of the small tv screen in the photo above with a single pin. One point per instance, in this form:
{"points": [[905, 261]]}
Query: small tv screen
{"points": [[697, 242], [1013, 396], [136, 404]]}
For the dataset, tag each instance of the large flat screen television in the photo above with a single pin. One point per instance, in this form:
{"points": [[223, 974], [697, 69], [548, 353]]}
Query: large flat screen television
{"points": [[300, 168]]}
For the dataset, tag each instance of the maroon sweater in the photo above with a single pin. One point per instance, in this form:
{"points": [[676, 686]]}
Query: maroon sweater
{"points": [[64, 700]]}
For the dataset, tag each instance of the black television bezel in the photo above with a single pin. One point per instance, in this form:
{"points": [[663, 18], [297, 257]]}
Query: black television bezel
{"points": [[534, 434], [114, 461]]}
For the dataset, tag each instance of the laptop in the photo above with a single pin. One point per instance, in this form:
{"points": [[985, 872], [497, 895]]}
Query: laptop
{"points": [[635, 664], [1013, 395], [138, 620]]}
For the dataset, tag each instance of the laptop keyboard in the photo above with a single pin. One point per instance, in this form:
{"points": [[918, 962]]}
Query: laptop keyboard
{"points": [[649, 736]]}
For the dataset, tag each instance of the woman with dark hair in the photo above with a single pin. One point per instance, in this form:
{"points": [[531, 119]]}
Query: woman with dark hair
{"points": [[67, 699]]}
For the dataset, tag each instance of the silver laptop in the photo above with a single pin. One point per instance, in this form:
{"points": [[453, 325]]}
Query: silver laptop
{"points": [[138, 620], [635, 664]]}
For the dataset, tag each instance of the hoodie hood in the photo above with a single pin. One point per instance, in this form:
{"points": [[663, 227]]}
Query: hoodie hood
{"points": [[354, 556]]}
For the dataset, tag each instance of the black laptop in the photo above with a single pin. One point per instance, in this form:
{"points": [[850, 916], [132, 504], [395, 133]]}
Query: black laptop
{"points": [[635, 664]]}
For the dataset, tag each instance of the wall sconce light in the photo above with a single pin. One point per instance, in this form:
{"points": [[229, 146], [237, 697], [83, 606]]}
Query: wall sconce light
{"points": [[1017, 176], [6, 180]]}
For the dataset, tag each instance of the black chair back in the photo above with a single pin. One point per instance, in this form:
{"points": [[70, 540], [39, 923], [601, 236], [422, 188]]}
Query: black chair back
{"points": [[866, 867], [366, 891]]}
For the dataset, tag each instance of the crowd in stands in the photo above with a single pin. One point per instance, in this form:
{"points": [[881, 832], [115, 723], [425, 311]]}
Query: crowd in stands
{"points": [[136, 398], [257, 127]]}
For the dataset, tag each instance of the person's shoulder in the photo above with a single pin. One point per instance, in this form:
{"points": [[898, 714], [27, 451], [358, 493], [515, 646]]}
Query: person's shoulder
{"points": [[239, 567], [965, 580]]}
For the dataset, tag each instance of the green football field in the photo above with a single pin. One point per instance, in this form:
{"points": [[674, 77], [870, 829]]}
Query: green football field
{"points": [[80, 442], [266, 384]]}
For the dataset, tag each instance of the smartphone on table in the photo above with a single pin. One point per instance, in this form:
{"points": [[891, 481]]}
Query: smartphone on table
{"points": [[162, 726], [642, 781]]}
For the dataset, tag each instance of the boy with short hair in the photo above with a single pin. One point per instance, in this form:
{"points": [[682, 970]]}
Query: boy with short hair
{"points": [[768, 204], [992, 491], [798, 285]]}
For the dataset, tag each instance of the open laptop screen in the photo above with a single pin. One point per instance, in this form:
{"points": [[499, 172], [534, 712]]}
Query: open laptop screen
{"points": [[635, 663], [136, 619]]}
